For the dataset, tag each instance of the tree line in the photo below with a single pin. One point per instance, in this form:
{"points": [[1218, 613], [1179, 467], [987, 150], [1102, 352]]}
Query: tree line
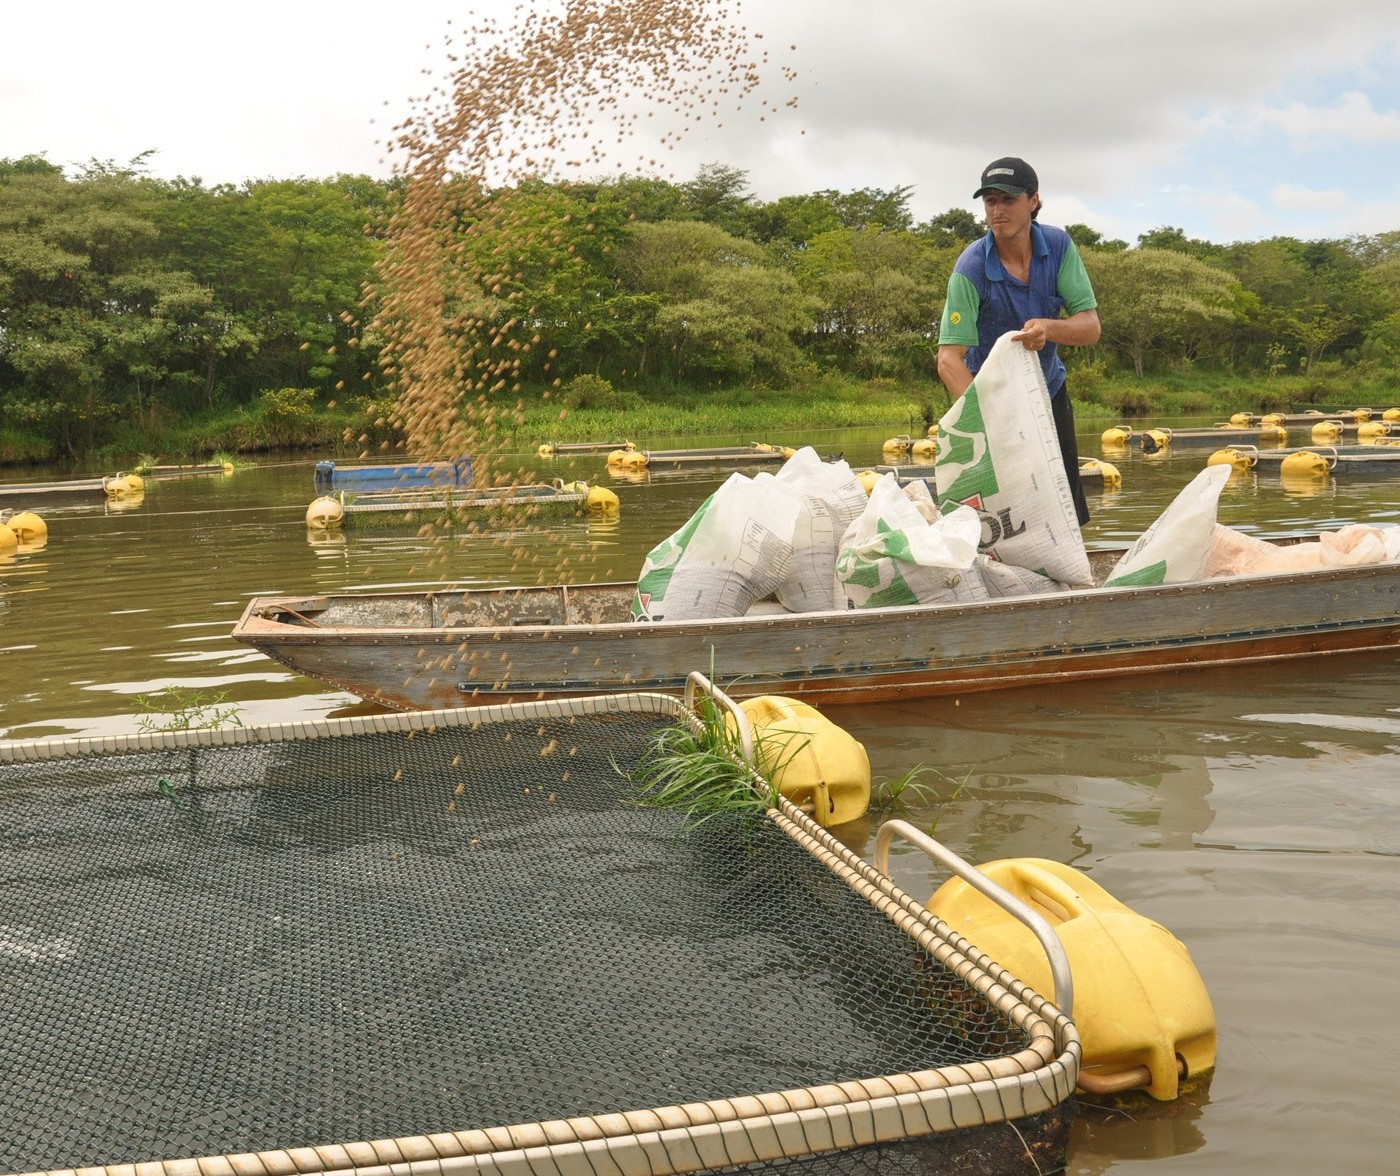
{"points": [[129, 302]]}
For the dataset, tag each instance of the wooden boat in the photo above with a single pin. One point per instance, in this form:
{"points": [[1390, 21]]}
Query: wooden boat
{"points": [[465, 647], [330, 477]]}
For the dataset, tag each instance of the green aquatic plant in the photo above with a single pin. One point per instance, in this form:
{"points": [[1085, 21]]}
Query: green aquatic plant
{"points": [[700, 769], [177, 708], [887, 796]]}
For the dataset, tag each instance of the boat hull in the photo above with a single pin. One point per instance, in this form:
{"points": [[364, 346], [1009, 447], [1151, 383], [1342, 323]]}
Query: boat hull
{"points": [[448, 649]]}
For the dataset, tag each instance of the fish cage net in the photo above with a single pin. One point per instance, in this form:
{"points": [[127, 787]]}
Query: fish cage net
{"points": [[421, 931]]}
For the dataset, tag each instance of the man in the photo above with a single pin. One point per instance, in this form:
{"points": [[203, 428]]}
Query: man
{"points": [[1023, 277]]}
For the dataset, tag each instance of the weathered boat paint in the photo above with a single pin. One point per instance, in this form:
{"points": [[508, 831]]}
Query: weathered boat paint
{"points": [[467, 647]]}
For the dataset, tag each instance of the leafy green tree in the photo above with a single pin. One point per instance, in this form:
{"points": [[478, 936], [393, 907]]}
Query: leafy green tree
{"points": [[719, 195], [92, 322], [878, 296], [1157, 301], [953, 229], [724, 312]]}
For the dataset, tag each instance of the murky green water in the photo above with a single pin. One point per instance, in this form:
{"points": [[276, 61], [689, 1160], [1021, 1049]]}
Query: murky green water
{"points": [[1255, 813]]}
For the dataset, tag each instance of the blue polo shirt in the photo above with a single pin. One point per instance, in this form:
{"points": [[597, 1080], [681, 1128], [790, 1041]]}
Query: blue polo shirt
{"points": [[984, 301]]}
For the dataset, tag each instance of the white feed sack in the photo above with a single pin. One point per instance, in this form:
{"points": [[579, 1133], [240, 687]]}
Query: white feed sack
{"points": [[998, 453], [891, 557], [736, 549], [1347, 547], [1176, 548], [830, 498]]}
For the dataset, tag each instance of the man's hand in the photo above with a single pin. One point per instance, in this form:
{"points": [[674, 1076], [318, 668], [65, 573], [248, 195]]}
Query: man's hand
{"points": [[1033, 335]]}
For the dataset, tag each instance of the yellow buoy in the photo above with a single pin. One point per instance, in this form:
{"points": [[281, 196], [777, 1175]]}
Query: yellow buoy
{"points": [[574, 487], [602, 501], [1112, 477], [121, 486], [1326, 430], [867, 479], [8, 539], [1117, 435], [325, 512], [932, 430], [618, 457], [1155, 439], [1241, 419], [1273, 433], [1391, 414], [1371, 430], [27, 526], [545, 450], [1304, 464], [924, 447], [817, 765], [896, 445], [1273, 418], [1361, 415], [1239, 459], [1140, 1005]]}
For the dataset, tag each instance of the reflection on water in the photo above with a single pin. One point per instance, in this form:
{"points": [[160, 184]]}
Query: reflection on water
{"points": [[1253, 811]]}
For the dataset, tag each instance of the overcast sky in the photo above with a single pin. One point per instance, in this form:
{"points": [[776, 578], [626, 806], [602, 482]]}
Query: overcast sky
{"points": [[1231, 119]]}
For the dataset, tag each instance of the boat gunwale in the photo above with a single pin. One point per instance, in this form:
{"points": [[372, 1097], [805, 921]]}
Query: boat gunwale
{"points": [[255, 620]]}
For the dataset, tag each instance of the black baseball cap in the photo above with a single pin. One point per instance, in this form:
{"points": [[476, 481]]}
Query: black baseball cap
{"points": [[1013, 176]]}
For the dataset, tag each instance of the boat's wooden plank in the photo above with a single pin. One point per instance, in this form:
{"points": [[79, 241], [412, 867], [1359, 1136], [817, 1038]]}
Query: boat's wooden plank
{"points": [[485, 645]]}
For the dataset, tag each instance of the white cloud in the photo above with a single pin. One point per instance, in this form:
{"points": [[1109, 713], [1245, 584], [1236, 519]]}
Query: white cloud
{"points": [[1350, 119], [1292, 198]]}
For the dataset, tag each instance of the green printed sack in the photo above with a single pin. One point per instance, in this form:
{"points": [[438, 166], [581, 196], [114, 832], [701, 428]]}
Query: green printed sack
{"points": [[998, 453], [892, 556], [1176, 548], [735, 549]]}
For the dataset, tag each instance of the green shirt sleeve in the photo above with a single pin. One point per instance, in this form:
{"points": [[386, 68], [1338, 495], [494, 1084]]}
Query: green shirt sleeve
{"points": [[1072, 282], [959, 326]]}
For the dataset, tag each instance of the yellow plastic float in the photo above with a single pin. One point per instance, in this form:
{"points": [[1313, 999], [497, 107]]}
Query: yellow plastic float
{"points": [[545, 450], [600, 500], [27, 526], [932, 430], [1273, 433], [817, 765], [1391, 414], [1371, 430], [628, 459], [1360, 415], [1273, 418], [8, 539], [1239, 459], [1242, 419], [123, 485], [1305, 464], [1142, 1010], [1156, 440], [896, 445], [1326, 430], [324, 513], [1117, 436], [1112, 476], [868, 478], [924, 447]]}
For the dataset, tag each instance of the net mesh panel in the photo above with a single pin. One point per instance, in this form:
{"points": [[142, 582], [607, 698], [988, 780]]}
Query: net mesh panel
{"points": [[238, 948]]}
